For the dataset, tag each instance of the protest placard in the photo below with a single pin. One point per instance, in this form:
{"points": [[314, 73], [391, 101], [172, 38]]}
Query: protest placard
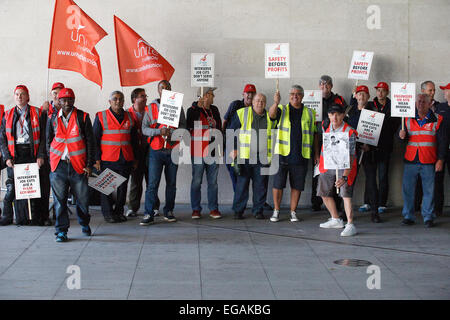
{"points": [[313, 100], [360, 65], [202, 69], [170, 108], [369, 127], [403, 103], [336, 150], [107, 181], [277, 60], [26, 181]]}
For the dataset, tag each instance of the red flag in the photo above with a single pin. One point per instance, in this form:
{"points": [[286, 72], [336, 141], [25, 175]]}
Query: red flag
{"points": [[138, 62], [73, 40]]}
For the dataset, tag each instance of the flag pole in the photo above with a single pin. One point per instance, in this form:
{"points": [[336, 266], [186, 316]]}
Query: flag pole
{"points": [[46, 88], [29, 209], [337, 178]]}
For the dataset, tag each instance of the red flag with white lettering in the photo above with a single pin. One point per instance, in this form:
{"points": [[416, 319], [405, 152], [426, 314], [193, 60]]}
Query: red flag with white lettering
{"points": [[73, 39], [139, 63]]}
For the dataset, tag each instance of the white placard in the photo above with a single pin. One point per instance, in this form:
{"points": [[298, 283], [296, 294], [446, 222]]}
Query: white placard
{"points": [[202, 69], [403, 102], [107, 181], [369, 127], [313, 100], [336, 150], [26, 181], [170, 108], [360, 65], [277, 60]]}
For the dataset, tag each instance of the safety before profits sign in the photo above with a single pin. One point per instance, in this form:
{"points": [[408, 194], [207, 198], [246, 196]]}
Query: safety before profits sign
{"points": [[403, 102], [202, 69], [26, 181], [369, 127], [170, 108], [277, 60], [360, 65], [313, 100], [107, 181]]}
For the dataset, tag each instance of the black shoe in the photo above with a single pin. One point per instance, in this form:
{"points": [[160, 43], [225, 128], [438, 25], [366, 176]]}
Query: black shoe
{"points": [[170, 217], [86, 230], [148, 219], [407, 222], [267, 207], [121, 218], [429, 224], [238, 215], [376, 217], [259, 216], [316, 208], [111, 220], [5, 221]]}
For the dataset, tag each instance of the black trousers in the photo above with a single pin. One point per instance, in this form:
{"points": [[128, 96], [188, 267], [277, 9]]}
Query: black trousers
{"points": [[382, 160], [371, 189], [112, 208]]}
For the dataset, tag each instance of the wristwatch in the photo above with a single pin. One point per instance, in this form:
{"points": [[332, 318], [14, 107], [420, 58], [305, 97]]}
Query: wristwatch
{"points": [[345, 178]]}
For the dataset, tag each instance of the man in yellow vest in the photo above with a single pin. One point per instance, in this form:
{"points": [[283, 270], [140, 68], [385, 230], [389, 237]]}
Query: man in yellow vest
{"points": [[255, 153], [296, 137]]}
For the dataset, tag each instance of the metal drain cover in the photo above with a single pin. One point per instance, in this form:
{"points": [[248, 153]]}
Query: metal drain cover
{"points": [[353, 263]]}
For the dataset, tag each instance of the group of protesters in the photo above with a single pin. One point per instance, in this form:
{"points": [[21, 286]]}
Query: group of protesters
{"points": [[68, 148]]}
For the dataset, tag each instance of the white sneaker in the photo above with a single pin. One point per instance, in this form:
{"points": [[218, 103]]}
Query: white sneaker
{"points": [[274, 217], [364, 208], [349, 230], [155, 212], [333, 223], [131, 213], [294, 216]]}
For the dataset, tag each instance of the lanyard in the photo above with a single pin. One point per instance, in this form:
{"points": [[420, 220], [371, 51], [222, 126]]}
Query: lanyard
{"points": [[376, 106], [209, 118]]}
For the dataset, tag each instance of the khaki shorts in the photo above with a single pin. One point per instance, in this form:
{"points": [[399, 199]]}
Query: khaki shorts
{"points": [[326, 186]]}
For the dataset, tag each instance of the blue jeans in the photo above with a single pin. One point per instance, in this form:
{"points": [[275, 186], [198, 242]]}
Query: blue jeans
{"points": [[196, 191], [61, 179], [410, 174], [232, 176], [159, 160], [259, 185]]}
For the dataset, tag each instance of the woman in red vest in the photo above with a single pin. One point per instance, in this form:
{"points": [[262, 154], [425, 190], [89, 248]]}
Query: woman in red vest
{"points": [[117, 146], [20, 139]]}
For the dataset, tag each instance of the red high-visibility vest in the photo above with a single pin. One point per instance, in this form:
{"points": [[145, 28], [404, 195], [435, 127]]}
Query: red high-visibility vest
{"points": [[71, 138], [200, 138], [353, 170], [138, 123], [422, 140], [157, 142], [2, 112], [35, 114], [116, 136]]}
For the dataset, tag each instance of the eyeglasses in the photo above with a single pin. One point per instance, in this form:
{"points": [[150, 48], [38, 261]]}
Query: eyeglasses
{"points": [[117, 99]]}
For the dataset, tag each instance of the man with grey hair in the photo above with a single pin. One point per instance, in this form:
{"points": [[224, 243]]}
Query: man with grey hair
{"points": [[117, 149], [426, 151], [328, 98], [297, 134]]}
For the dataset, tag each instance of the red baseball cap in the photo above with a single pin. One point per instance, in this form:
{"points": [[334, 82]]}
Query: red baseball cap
{"points": [[447, 87], [57, 85], [362, 88], [383, 85], [66, 93], [249, 88], [23, 87]]}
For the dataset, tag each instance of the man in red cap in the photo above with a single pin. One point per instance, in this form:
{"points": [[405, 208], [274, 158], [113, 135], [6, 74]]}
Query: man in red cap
{"points": [[382, 153], [71, 149], [369, 157], [51, 106], [21, 136], [442, 109]]}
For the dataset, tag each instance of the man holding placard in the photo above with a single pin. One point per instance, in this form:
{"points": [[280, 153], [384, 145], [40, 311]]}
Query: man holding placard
{"points": [[366, 148], [117, 149], [21, 135], [427, 148], [71, 149], [296, 143], [328, 98], [160, 158], [202, 118], [345, 178]]}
